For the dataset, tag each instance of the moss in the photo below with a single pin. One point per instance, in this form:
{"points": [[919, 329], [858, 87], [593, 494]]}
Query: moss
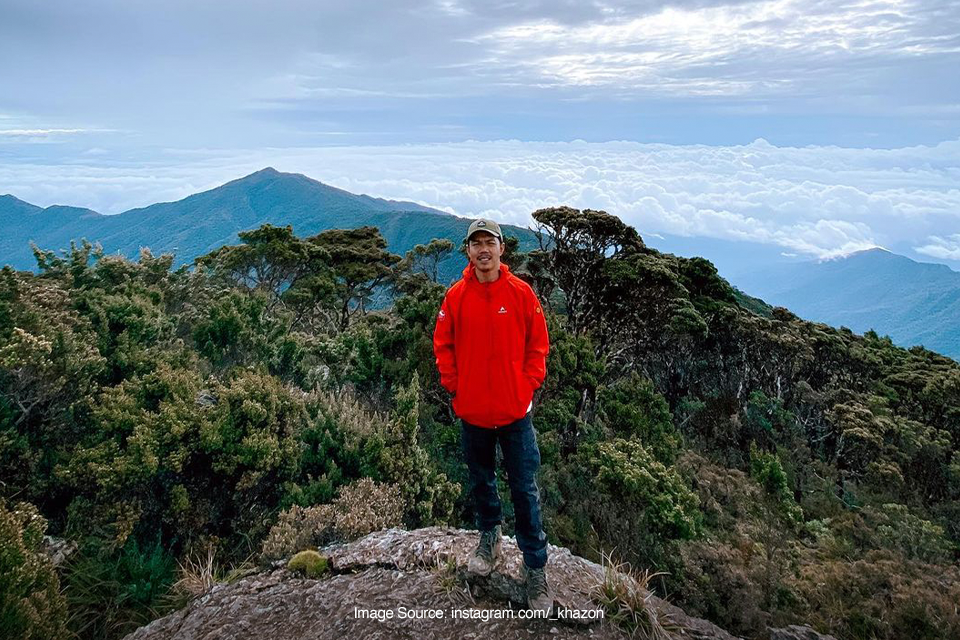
{"points": [[310, 563]]}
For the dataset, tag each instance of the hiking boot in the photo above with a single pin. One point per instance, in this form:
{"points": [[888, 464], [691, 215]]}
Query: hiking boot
{"points": [[486, 554], [539, 596]]}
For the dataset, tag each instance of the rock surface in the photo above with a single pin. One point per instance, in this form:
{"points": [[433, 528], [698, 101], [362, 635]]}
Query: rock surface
{"points": [[797, 632], [394, 572]]}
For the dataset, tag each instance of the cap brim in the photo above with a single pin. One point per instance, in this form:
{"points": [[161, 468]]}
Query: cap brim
{"points": [[493, 233]]}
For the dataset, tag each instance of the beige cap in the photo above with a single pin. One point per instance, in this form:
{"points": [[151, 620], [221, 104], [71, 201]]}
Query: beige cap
{"points": [[484, 225]]}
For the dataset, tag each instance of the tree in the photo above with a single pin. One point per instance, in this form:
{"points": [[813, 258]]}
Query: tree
{"points": [[426, 258], [272, 260], [574, 247], [360, 264]]}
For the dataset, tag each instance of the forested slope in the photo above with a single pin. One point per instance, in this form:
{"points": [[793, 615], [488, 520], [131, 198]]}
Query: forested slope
{"points": [[777, 470]]}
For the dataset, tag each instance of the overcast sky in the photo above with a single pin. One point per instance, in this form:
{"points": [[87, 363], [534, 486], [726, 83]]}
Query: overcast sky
{"points": [[819, 126]]}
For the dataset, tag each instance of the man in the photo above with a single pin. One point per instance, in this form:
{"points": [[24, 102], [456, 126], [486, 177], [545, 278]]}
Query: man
{"points": [[491, 345]]}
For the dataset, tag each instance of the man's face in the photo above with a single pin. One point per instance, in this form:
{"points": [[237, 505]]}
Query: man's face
{"points": [[484, 251]]}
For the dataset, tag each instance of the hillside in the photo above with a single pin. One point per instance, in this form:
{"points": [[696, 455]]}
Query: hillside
{"points": [[915, 303], [773, 471]]}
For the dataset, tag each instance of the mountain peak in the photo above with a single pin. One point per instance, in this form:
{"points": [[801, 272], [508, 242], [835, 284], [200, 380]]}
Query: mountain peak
{"points": [[267, 172], [11, 207], [879, 255], [873, 254], [876, 253], [12, 199]]}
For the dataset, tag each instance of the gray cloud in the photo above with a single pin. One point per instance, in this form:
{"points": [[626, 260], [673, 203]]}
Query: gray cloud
{"points": [[261, 73]]}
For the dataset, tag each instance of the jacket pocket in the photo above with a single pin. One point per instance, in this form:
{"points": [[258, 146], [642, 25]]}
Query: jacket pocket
{"points": [[523, 388]]}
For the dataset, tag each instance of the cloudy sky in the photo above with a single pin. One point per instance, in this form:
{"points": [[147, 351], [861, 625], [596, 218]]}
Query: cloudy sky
{"points": [[817, 126]]}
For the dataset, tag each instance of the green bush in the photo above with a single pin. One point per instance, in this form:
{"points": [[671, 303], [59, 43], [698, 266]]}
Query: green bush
{"points": [[638, 504], [766, 469], [31, 605], [632, 408]]}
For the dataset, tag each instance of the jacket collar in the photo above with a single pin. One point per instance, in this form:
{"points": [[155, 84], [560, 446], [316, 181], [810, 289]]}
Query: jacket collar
{"points": [[470, 275]]}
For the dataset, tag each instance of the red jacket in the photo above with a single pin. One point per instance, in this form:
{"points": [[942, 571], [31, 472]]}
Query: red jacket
{"points": [[491, 345]]}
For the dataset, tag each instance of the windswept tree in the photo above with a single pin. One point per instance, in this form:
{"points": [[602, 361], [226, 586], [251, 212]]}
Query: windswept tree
{"points": [[290, 271], [360, 263], [426, 258], [574, 248]]}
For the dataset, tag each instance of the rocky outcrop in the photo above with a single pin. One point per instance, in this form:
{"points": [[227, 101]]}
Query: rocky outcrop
{"points": [[797, 632], [384, 586]]}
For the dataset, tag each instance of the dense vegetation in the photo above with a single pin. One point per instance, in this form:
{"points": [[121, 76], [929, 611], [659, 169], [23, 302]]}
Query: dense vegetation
{"points": [[779, 471]]}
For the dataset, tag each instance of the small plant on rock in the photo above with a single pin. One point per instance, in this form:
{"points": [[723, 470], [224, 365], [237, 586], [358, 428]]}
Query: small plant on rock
{"points": [[450, 581], [310, 563]]}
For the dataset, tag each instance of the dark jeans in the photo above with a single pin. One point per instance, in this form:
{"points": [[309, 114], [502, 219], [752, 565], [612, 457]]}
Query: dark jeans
{"points": [[518, 442]]}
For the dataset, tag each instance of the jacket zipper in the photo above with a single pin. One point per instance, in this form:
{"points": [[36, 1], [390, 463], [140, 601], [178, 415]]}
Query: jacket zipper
{"points": [[490, 351]]}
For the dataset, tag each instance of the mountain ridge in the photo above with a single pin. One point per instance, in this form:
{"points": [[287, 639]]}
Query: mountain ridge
{"points": [[918, 308], [915, 303], [204, 221]]}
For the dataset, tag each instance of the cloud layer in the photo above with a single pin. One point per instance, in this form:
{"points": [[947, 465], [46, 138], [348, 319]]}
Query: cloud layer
{"points": [[815, 201], [111, 104]]}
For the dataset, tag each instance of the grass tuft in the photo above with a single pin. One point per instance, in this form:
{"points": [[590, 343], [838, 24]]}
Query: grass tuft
{"points": [[625, 597]]}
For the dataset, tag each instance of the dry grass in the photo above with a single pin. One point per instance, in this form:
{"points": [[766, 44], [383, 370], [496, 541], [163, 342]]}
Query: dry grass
{"points": [[361, 507], [625, 597], [198, 574], [450, 582]]}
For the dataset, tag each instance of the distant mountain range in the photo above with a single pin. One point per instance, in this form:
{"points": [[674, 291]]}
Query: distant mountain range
{"points": [[913, 302], [204, 221]]}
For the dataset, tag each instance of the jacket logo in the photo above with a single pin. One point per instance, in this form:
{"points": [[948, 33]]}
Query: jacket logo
{"points": [[442, 314], [502, 310]]}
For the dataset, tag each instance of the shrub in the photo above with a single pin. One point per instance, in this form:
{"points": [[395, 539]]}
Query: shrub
{"points": [[880, 597], [632, 408], [627, 470], [31, 605], [111, 592], [393, 454], [361, 508], [636, 503], [296, 529], [366, 506], [766, 469]]}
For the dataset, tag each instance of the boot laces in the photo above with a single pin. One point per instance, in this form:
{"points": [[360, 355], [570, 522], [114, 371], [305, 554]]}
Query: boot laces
{"points": [[536, 583], [487, 541]]}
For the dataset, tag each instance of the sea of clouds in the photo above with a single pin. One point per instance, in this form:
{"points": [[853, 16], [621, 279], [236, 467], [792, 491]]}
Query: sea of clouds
{"points": [[815, 200]]}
